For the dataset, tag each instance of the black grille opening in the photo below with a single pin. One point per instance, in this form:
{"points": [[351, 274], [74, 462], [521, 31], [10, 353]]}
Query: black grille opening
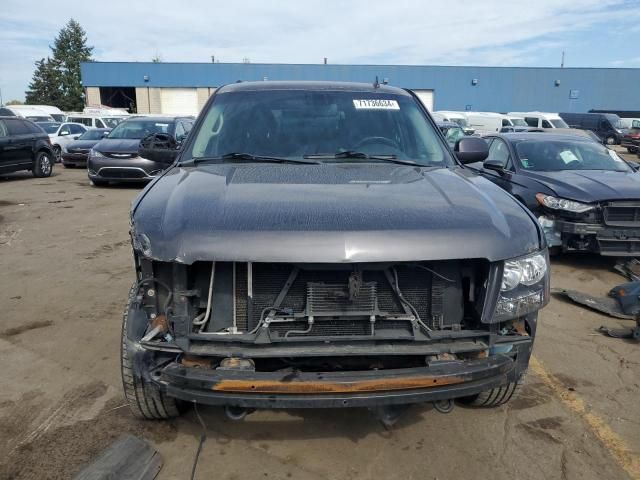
{"points": [[121, 173], [622, 214]]}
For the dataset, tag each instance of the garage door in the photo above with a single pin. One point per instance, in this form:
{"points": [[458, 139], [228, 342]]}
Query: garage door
{"points": [[427, 98], [179, 101]]}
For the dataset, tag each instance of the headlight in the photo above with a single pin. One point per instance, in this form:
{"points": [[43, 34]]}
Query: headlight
{"points": [[526, 271], [525, 286], [95, 153], [562, 203]]}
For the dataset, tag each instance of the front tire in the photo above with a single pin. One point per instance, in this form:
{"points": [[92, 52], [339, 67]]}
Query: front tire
{"points": [[496, 396], [611, 140], [145, 399], [42, 165]]}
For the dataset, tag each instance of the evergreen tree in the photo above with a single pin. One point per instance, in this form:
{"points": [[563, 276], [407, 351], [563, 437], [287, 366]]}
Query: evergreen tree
{"points": [[56, 80], [45, 86], [69, 49]]}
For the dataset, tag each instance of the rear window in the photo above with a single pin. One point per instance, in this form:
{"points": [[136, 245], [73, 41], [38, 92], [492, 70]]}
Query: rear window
{"points": [[33, 128]]}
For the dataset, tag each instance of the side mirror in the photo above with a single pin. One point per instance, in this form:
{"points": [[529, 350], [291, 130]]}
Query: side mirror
{"points": [[496, 165], [471, 150], [104, 134], [64, 133], [75, 137], [158, 147]]}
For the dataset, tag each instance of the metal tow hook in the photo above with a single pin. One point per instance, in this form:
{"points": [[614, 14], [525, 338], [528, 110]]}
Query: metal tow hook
{"points": [[444, 406]]}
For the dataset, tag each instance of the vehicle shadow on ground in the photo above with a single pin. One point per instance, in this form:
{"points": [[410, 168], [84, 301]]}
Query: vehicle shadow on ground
{"points": [[22, 175], [298, 424]]}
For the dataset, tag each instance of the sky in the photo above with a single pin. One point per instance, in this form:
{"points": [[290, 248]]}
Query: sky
{"points": [[593, 33]]}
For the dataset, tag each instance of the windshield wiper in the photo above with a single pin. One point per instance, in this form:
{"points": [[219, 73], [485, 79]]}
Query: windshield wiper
{"points": [[248, 157], [360, 155]]}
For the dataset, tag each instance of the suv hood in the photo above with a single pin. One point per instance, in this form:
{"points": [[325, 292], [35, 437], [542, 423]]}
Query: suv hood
{"points": [[116, 145], [329, 214], [82, 144], [590, 186]]}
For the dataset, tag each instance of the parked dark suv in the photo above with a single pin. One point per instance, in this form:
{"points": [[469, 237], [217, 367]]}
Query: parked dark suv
{"points": [[24, 146], [320, 245], [115, 158]]}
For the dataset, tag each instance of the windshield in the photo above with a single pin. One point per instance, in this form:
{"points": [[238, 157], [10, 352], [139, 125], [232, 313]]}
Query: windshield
{"points": [[93, 134], [111, 122], [557, 155], [461, 121], [138, 129], [615, 120], [452, 134], [297, 123], [49, 127], [518, 122], [558, 123]]}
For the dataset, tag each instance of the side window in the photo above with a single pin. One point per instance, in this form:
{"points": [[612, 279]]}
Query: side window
{"points": [[16, 127], [505, 123], [3, 130], [531, 121], [180, 131], [76, 129], [546, 124], [188, 126], [99, 123], [498, 150]]}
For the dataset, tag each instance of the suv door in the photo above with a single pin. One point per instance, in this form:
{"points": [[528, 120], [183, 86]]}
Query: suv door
{"points": [[18, 149]]}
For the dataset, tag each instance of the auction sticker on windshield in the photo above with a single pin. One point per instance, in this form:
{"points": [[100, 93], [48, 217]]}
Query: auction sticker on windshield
{"points": [[376, 104]]}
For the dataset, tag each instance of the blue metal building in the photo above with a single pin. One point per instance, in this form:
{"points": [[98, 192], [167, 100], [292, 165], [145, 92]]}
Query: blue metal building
{"points": [[153, 86]]}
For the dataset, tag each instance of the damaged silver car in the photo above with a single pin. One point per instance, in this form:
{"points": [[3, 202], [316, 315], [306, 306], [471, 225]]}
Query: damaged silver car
{"points": [[318, 244]]}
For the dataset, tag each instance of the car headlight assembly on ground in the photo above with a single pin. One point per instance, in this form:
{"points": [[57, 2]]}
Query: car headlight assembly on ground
{"points": [[556, 203], [525, 286]]}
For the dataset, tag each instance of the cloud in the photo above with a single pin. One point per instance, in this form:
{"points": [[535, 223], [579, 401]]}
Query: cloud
{"points": [[457, 32]]}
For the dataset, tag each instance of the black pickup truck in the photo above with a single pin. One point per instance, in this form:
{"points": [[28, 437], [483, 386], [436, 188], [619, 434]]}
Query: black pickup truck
{"points": [[320, 245]]}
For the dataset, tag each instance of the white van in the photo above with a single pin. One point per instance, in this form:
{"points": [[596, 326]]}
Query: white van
{"points": [[95, 121], [541, 119], [456, 117], [29, 112], [57, 114], [485, 123]]}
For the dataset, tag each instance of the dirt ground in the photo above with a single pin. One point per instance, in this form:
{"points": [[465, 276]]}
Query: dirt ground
{"points": [[67, 268]]}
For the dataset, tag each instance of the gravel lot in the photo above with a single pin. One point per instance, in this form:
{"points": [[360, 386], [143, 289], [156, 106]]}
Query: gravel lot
{"points": [[65, 254]]}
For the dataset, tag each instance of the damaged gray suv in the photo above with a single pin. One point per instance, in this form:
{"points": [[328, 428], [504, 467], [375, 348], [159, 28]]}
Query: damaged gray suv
{"points": [[320, 245]]}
